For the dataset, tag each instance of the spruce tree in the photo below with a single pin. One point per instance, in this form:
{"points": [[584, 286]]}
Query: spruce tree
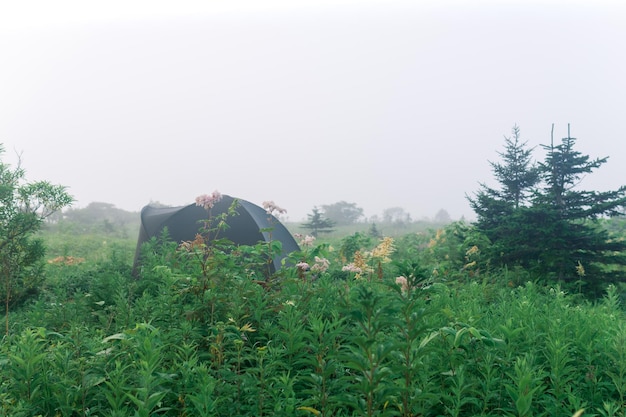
{"points": [[518, 175], [539, 219], [500, 211], [318, 223], [577, 247]]}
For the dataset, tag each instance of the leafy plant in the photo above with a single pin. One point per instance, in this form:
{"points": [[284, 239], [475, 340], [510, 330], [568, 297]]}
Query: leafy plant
{"points": [[525, 386], [23, 208], [369, 352]]}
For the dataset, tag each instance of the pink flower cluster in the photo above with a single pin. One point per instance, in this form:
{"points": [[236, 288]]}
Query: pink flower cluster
{"points": [[208, 201], [320, 265], [303, 266], [271, 208], [352, 268], [403, 283], [306, 241]]}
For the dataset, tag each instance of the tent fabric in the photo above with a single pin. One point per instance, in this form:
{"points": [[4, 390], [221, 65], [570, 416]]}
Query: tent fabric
{"points": [[245, 228]]}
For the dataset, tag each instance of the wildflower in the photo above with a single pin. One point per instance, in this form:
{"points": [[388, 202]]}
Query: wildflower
{"points": [[208, 201], [351, 267], [403, 283], [471, 251], [303, 266], [321, 264], [307, 241], [191, 245], [384, 249], [271, 207], [439, 238], [580, 269], [360, 260], [359, 264]]}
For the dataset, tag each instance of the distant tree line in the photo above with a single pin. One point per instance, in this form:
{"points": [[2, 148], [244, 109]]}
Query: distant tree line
{"points": [[96, 217], [323, 219]]}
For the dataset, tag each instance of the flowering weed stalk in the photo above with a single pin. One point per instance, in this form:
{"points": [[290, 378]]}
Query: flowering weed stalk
{"points": [[272, 246], [208, 252], [204, 248], [370, 263], [358, 266], [381, 253], [311, 261]]}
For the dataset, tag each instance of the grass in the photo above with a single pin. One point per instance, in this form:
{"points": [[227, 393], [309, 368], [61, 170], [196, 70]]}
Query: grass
{"points": [[98, 341]]}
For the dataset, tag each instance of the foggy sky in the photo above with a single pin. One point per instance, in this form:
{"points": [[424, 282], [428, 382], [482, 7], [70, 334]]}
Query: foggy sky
{"points": [[380, 103]]}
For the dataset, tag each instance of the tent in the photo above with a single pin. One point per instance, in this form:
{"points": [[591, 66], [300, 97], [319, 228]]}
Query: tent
{"points": [[245, 228]]}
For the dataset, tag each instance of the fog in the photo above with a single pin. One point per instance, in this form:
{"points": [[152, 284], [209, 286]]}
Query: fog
{"points": [[379, 103]]}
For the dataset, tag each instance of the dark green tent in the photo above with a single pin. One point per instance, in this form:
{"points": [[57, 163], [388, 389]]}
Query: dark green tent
{"points": [[245, 228]]}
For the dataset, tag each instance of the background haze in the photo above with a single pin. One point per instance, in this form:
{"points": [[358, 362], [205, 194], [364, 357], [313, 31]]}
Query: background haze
{"points": [[380, 103]]}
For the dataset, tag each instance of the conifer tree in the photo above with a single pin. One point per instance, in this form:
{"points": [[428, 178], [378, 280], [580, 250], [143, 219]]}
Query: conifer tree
{"points": [[318, 223], [548, 225], [498, 210], [575, 246]]}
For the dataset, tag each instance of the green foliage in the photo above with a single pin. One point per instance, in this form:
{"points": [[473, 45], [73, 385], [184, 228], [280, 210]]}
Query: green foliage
{"points": [[23, 208], [539, 220], [353, 243], [525, 385], [369, 351], [470, 342]]}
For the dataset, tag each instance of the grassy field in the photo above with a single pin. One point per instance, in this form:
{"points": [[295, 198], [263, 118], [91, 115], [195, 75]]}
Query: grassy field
{"points": [[204, 332]]}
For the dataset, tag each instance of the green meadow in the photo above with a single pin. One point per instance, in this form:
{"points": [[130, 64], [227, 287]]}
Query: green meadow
{"points": [[184, 340]]}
